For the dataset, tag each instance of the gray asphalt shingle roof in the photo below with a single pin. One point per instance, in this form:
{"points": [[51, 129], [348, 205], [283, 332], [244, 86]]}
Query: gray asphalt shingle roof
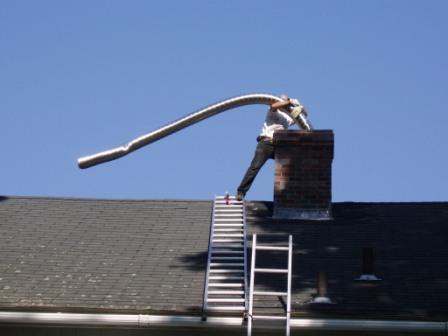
{"points": [[149, 256], [71, 254]]}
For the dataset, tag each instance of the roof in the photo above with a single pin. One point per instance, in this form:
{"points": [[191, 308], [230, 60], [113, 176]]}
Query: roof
{"points": [[149, 256], [409, 242], [102, 255]]}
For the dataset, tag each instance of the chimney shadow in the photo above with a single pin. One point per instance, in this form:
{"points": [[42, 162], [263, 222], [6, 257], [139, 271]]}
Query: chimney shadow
{"points": [[195, 262]]}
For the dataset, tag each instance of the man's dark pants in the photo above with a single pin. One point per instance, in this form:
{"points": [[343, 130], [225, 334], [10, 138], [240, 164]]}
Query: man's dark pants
{"points": [[263, 152]]}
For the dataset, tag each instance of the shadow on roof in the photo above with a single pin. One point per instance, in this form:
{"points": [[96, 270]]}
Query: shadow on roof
{"points": [[408, 240]]}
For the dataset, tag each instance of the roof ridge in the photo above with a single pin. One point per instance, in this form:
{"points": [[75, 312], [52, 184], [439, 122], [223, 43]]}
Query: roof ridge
{"points": [[73, 198]]}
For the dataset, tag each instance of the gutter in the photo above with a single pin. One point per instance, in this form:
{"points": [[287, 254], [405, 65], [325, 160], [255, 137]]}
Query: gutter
{"points": [[147, 321]]}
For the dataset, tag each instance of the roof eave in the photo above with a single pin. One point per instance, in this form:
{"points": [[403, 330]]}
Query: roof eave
{"points": [[148, 321]]}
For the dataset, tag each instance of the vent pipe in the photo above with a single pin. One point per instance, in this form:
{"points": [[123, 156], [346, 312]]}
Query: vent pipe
{"points": [[368, 265], [322, 289]]}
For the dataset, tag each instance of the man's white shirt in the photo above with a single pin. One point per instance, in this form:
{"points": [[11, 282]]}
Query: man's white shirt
{"points": [[275, 121]]}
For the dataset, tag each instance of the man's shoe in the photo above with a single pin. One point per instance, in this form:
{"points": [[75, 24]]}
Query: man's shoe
{"points": [[239, 196]]}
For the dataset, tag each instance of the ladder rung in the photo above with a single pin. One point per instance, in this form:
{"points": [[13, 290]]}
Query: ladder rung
{"points": [[225, 285], [231, 225], [234, 308], [226, 271], [229, 213], [228, 220], [224, 197], [225, 215], [270, 270], [234, 246], [272, 248], [228, 229], [228, 248], [270, 293], [227, 258], [222, 240], [223, 277], [267, 317], [226, 209], [228, 235], [221, 237], [225, 264], [225, 300], [224, 292]]}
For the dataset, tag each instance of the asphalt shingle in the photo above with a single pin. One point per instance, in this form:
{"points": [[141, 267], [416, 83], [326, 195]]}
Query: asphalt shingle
{"points": [[149, 256], [70, 254]]}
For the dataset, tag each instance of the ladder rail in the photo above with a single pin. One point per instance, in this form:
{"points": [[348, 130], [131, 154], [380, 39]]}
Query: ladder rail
{"points": [[246, 301], [288, 302], [251, 286], [209, 257]]}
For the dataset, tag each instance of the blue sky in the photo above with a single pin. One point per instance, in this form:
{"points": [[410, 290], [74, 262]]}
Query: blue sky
{"points": [[78, 77]]}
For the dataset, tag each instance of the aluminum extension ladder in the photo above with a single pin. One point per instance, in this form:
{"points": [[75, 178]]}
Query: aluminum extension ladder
{"points": [[254, 270], [225, 283]]}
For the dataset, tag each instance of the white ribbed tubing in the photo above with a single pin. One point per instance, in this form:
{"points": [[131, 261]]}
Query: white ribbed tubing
{"points": [[209, 111]]}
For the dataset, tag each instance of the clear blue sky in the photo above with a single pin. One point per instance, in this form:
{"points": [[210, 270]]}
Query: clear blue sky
{"points": [[78, 77]]}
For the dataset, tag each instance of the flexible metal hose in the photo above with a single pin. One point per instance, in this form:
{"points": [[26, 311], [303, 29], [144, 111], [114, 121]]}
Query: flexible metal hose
{"points": [[209, 111]]}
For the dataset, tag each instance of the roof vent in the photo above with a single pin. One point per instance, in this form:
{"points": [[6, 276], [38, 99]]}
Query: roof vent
{"points": [[322, 290], [368, 266]]}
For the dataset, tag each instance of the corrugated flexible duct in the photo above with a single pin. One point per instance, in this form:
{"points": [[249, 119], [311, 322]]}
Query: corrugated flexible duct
{"points": [[209, 111]]}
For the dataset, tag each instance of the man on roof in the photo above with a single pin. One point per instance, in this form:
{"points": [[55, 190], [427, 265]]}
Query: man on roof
{"points": [[278, 117]]}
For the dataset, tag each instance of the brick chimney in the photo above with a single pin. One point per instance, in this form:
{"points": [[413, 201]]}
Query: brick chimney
{"points": [[302, 188]]}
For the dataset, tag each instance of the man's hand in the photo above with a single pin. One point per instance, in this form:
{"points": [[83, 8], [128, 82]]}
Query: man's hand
{"points": [[297, 110]]}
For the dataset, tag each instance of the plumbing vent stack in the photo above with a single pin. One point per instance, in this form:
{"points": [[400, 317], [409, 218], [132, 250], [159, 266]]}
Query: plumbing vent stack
{"points": [[368, 263], [322, 289]]}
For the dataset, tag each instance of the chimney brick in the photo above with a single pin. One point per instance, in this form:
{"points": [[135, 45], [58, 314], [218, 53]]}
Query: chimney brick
{"points": [[302, 188]]}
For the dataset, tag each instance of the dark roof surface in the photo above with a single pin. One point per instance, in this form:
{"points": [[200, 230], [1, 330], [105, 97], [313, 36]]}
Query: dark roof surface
{"points": [[410, 248], [150, 256]]}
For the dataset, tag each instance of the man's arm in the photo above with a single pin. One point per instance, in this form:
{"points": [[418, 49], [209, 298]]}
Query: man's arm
{"points": [[280, 104]]}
